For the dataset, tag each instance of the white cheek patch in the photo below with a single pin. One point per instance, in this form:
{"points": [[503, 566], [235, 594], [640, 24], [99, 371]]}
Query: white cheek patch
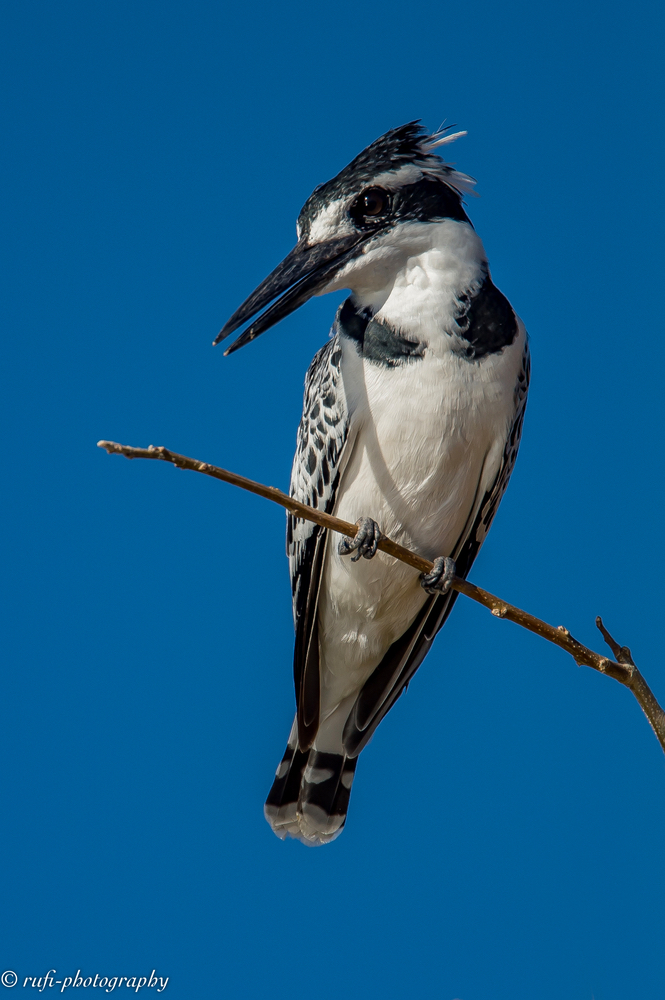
{"points": [[330, 222]]}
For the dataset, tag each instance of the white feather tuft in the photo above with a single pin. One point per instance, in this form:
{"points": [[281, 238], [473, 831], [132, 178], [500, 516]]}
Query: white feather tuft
{"points": [[463, 183], [438, 139]]}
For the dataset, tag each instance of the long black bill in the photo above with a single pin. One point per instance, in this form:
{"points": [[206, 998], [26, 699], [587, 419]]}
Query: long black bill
{"points": [[302, 273]]}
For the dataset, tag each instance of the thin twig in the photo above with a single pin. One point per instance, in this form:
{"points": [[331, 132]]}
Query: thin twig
{"points": [[622, 669]]}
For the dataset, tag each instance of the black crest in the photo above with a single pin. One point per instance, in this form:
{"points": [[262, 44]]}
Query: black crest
{"points": [[399, 147]]}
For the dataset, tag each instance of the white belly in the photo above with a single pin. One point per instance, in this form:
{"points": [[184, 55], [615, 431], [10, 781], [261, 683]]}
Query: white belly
{"points": [[426, 441]]}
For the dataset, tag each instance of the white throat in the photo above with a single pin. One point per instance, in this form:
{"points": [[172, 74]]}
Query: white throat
{"points": [[413, 275]]}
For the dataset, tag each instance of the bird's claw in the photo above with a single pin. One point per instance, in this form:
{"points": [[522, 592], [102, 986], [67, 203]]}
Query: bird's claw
{"points": [[441, 577], [367, 538]]}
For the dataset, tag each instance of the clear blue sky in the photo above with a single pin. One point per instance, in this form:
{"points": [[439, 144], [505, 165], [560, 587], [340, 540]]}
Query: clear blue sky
{"points": [[506, 833]]}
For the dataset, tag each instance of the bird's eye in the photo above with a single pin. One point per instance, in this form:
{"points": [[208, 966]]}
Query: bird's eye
{"points": [[373, 203]]}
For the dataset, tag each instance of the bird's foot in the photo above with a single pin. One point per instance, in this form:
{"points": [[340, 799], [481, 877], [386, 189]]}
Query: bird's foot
{"points": [[439, 580], [367, 538]]}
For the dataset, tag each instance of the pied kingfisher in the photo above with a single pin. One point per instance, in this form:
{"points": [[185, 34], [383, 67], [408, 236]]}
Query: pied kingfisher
{"points": [[412, 418]]}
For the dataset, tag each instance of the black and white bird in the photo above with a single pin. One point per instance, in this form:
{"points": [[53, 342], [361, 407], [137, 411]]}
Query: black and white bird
{"points": [[412, 418]]}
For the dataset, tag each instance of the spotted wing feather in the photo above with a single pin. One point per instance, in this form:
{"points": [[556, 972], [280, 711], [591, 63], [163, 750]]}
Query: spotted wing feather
{"points": [[322, 435]]}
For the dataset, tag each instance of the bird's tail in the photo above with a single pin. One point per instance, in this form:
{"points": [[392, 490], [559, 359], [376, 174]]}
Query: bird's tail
{"points": [[310, 794]]}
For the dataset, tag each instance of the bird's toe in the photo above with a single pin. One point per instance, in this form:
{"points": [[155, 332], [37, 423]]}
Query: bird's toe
{"points": [[365, 542], [441, 577]]}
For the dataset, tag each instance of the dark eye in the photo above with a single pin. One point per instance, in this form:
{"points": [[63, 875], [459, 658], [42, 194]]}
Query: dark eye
{"points": [[371, 204]]}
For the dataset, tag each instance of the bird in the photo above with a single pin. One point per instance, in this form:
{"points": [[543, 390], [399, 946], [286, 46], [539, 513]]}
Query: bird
{"points": [[411, 423]]}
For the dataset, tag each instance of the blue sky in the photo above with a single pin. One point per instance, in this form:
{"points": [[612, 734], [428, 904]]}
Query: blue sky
{"points": [[505, 837]]}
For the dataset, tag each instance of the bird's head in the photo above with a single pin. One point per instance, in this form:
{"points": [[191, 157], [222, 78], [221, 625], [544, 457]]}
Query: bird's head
{"points": [[363, 223]]}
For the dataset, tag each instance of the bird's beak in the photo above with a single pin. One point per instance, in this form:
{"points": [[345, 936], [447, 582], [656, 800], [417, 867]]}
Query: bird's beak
{"points": [[303, 272]]}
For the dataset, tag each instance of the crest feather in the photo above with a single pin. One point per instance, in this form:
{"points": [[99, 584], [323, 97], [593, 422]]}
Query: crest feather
{"points": [[463, 183]]}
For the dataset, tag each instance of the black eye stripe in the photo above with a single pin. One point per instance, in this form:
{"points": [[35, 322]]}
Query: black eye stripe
{"points": [[425, 200], [428, 199]]}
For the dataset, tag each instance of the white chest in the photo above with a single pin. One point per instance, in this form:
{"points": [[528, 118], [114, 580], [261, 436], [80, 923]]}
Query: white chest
{"points": [[426, 441], [420, 437]]}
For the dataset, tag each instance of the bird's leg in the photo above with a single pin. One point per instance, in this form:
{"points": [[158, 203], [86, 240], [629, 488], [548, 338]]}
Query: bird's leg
{"points": [[366, 540], [439, 580]]}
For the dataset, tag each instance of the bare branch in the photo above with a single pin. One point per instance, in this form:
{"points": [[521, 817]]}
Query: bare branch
{"points": [[621, 653], [622, 668]]}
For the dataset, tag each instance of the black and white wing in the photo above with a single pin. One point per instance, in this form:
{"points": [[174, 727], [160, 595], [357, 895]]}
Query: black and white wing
{"points": [[391, 677], [315, 476]]}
